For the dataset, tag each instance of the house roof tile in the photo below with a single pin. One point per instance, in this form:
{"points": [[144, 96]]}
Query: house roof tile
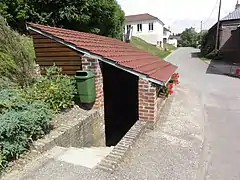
{"points": [[141, 17], [112, 49], [232, 16]]}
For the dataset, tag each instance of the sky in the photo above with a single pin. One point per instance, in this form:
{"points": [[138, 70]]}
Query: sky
{"points": [[180, 14]]}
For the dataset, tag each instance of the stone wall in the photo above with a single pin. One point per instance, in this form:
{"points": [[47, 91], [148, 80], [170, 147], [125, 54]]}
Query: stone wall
{"points": [[84, 131]]}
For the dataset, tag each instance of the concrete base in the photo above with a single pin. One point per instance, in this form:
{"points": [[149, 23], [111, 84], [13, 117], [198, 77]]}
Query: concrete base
{"points": [[87, 157]]}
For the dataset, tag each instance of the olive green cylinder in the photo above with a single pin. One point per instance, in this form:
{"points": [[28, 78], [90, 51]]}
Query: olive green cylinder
{"points": [[86, 88]]}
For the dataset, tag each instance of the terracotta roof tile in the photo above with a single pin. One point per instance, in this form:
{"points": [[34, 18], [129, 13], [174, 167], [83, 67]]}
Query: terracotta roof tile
{"points": [[112, 49]]}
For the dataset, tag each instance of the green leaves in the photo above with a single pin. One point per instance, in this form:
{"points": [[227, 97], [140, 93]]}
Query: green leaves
{"points": [[16, 55], [104, 17], [189, 38], [21, 122], [55, 89]]}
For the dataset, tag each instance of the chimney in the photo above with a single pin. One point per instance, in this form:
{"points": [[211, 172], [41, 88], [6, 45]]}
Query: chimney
{"points": [[237, 5]]}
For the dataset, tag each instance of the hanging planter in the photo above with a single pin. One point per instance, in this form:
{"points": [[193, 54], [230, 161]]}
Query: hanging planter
{"points": [[167, 90]]}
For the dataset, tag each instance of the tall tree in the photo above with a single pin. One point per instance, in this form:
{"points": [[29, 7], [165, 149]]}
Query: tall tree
{"points": [[189, 38], [103, 17]]}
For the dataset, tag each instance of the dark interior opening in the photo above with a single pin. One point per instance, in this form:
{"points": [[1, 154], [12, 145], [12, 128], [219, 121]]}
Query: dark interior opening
{"points": [[120, 102]]}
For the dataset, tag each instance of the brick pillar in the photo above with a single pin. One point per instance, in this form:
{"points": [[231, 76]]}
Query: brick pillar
{"points": [[94, 65], [147, 101]]}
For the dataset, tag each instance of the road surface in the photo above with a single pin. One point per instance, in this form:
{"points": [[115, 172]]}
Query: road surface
{"points": [[220, 98]]}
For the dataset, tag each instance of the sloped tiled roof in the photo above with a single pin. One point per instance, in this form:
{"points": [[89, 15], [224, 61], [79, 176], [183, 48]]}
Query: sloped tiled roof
{"points": [[166, 29], [111, 49], [141, 17], [232, 16]]}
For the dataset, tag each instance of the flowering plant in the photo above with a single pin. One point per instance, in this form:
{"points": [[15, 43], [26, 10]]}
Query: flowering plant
{"points": [[168, 89]]}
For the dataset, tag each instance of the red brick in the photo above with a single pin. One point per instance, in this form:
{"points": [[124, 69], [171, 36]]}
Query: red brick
{"points": [[149, 108]]}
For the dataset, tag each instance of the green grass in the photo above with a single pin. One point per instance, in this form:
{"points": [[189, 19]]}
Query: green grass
{"points": [[141, 44], [169, 47], [205, 59]]}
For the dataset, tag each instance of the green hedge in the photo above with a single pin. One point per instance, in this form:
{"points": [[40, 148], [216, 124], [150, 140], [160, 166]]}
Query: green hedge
{"points": [[26, 113], [21, 122]]}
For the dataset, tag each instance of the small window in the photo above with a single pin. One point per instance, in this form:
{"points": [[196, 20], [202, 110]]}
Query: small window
{"points": [[150, 26], [128, 27], [139, 27]]}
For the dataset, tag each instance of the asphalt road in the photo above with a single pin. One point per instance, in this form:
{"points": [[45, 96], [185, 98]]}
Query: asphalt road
{"points": [[220, 99]]}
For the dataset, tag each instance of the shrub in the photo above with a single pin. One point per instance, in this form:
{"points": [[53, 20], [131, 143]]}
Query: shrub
{"points": [[54, 89], [18, 128], [21, 122], [16, 55], [10, 99]]}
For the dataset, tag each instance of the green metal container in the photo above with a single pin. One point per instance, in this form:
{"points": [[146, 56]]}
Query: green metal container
{"points": [[85, 83]]}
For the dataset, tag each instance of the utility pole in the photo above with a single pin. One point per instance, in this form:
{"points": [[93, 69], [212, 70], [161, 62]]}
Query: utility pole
{"points": [[201, 25], [218, 25]]}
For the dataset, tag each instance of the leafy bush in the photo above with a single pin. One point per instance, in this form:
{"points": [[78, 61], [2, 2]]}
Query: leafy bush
{"points": [[54, 89], [10, 99], [16, 55], [18, 128], [21, 122]]}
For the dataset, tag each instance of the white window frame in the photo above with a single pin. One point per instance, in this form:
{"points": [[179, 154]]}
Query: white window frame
{"points": [[150, 27], [139, 27]]}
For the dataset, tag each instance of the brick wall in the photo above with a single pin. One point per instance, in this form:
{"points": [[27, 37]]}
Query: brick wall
{"points": [[147, 101], [94, 65]]}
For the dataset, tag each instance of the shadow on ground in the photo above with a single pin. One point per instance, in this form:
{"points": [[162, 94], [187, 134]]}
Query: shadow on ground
{"points": [[195, 54], [218, 67]]}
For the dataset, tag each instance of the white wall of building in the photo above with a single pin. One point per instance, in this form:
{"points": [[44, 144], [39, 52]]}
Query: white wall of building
{"points": [[166, 35], [153, 37], [173, 42]]}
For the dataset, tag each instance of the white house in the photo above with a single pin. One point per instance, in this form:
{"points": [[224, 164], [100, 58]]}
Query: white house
{"points": [[146, 27], [173, 40], [166, 35]]}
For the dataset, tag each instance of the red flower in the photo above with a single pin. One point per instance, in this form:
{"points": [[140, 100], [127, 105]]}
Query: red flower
{"points": [[238, 71], [170, 86], [176, 81]]}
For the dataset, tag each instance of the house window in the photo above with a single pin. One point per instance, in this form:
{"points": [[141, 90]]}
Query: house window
{"points": [[150, 26], [139, 27], [128, 27]]}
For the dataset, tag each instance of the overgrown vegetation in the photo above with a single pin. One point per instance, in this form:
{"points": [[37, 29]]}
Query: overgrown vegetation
{"points": [[208, 46], [26, 112], [55, 89], [16, 55], [103, 17], [21, 122], [141, 44]]}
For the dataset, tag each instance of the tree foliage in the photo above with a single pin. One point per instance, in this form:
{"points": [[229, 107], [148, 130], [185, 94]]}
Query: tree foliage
{"points": [[189, 38], [103, 17], [16, 55]]}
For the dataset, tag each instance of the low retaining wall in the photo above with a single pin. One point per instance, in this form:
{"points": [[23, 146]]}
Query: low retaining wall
{"points": [[84, 131]]}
